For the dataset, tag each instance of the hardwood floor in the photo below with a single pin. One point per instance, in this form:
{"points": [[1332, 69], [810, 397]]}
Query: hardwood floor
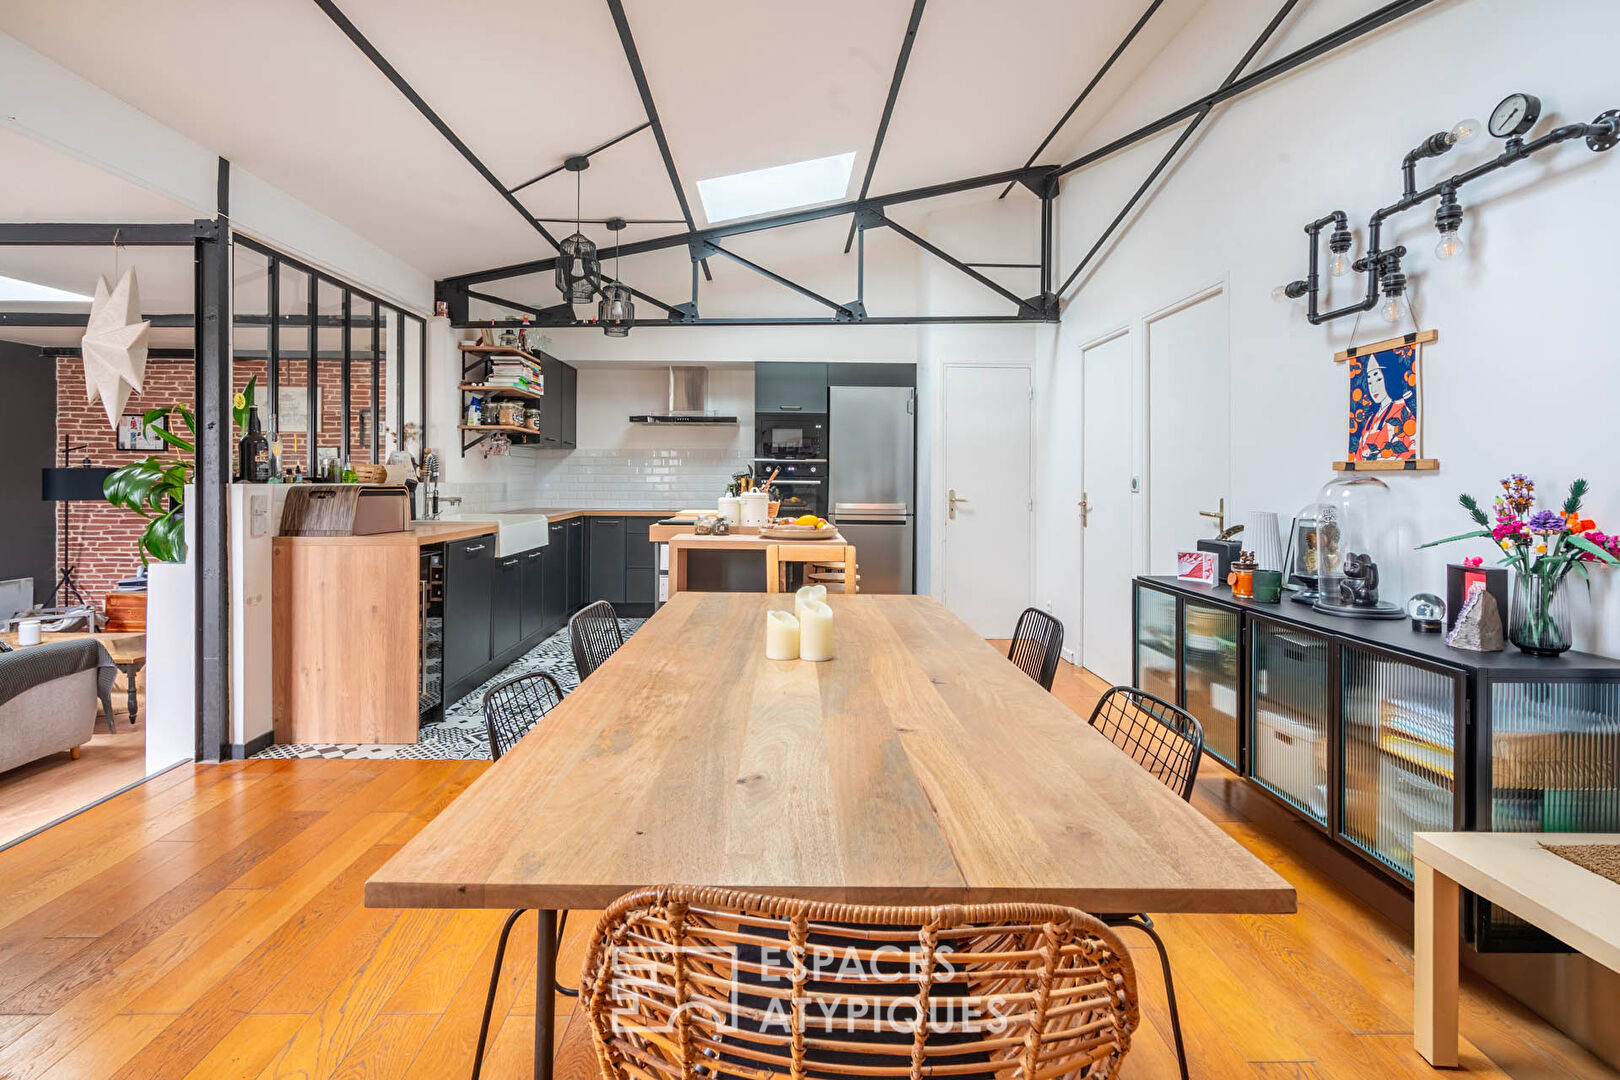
{"points": [[209, 925], [40, 792]]}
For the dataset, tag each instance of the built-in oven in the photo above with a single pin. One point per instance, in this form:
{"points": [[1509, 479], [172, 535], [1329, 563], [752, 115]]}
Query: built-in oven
{"points": [[790, 437], [800, 485]]}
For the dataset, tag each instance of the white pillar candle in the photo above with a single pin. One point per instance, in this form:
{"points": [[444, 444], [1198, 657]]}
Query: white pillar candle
{"points": [[816, 631], [807, 592], [28, 632], [781, 636]]}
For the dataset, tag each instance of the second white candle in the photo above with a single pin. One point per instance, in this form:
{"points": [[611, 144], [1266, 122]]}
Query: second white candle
{"points": [[815, 631]]}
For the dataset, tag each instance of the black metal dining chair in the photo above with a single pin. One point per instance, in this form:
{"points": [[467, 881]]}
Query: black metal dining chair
{"points": [[511, 711], [596, 636], [1037, 645], [1169, 743]]}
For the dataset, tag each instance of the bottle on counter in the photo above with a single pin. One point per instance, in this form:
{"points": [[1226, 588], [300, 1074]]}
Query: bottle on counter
{"points": [[253, 452]]}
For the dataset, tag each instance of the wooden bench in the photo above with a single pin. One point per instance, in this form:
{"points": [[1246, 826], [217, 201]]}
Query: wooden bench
{"points": [[1515, 872]]}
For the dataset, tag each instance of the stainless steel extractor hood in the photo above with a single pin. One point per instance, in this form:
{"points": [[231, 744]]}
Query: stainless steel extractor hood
{"points": [[688, 400]]}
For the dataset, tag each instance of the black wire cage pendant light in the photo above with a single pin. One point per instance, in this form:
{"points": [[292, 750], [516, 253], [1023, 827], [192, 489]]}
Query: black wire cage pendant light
{"points": [[617, 311], [579, 273]]}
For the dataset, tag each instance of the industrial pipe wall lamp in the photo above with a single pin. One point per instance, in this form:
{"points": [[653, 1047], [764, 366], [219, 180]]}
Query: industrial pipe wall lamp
{"points": [[1510, 120]]}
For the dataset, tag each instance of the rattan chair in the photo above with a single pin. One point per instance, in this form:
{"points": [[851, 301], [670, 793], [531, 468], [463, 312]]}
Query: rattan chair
{"points": [[1037, 645], [596, 635], [684, 981], [511, 710], [1169, 743]]}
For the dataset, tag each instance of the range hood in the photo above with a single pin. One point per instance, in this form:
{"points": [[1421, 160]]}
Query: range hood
{"points": [[688, 400]]}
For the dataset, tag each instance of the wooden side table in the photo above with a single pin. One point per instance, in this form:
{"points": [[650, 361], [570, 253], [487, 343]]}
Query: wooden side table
{"points": [[127, 650]]}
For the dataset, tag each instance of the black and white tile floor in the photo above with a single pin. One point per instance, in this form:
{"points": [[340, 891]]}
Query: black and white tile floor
{"points": [[460, 736]]}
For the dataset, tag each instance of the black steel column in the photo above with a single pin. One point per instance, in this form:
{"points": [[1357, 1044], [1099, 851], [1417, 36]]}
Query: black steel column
{"points": [[209, 510], [399, 376], [344, 387], [545, 992], [272, 376], [312, 390]]}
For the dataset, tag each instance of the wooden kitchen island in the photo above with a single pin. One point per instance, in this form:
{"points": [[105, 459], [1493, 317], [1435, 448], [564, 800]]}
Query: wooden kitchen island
{"points": [[346, 618], [735, 562]]}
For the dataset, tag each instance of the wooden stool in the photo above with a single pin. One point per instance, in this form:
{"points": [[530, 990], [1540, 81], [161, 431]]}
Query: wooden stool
{"points": [[821, 559]]}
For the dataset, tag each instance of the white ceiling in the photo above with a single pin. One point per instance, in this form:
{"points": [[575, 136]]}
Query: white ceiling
{"points": [[739, 84]]}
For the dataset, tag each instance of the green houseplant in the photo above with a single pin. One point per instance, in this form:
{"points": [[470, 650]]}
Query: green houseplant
{"points": [[155, 488]]}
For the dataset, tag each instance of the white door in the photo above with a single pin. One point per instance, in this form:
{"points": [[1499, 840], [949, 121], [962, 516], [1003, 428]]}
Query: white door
{"points": [[987, 447], [1189, 426], [1107, 544]]}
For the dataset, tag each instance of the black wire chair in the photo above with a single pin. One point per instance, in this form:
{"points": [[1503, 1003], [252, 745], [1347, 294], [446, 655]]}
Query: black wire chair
{"points": [[511, 710], [1037, 646], [596, 636], [1169, 743]]}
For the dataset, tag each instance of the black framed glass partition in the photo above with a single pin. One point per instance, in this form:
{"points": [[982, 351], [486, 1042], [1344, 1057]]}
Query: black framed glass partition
{"points": [[331, 361]]}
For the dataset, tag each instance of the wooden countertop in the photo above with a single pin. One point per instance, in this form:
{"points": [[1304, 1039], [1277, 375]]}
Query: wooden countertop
{"points": [[420, 533], [740, 542], [562, 514], [917, 767]]}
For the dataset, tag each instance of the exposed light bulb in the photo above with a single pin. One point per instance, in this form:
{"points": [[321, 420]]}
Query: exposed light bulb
{"points": [[1464, 130], [1339, 263], [1280, 293], [1393, 310], [578, 269], [1450, 245]]}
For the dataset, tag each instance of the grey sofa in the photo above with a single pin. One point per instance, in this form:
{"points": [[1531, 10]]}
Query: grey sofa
{"points": [[48, 697]]}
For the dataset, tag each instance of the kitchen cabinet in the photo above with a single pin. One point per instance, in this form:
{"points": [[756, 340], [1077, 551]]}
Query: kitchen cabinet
{"points": [[790, 388], [606, 572], [871, 374], [506, 606], [640, 563], [575, 547], [560, 407], [532, 608], [467, 581], [555, 600]]}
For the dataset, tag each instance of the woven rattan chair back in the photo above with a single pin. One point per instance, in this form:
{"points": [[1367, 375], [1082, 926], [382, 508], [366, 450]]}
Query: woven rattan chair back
{"points": [[1164, 740], [1037, 645], [683, 981], [596, 636], [515, 706]]}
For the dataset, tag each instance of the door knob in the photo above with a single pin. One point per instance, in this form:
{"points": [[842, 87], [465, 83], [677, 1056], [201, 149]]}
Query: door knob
{"points": [[1085, 510], [955, 498], [1219, 515]]}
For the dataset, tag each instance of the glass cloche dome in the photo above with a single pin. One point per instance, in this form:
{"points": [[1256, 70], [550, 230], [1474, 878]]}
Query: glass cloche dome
{"points": [[1360, 549]]}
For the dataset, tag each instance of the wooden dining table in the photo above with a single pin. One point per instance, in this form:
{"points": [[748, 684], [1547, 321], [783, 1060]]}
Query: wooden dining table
{"points": [[916, 767]]}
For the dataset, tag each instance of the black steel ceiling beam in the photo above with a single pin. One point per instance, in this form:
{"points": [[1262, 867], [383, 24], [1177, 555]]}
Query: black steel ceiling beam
{"points": [[77, 320], [604, 221], [870, 320], [592, 152], [1090, 86], [947, 257], [393, 76], [537, 312], [1304, 55], [73, 351], [84, 234], [888, 106], [633, 58], [774, 221], [674, 313], [707, 248], [1181, 140]]}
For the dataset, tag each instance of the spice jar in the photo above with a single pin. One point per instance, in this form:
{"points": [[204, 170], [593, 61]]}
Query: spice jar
{"points": [[531, 419], [511, 413], [1242, 576]]}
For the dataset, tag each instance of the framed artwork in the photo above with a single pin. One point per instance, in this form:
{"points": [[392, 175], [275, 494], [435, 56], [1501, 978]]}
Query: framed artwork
{"points": [[1461, 581], [1385, 405], [133, 435], [1196, 566]]}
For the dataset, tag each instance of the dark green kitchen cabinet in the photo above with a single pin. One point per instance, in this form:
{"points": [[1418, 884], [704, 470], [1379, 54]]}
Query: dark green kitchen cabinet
{"points": [[559, 409], [506, 606], [532, 613], [606, 574], [467, 581], [790, 388]]}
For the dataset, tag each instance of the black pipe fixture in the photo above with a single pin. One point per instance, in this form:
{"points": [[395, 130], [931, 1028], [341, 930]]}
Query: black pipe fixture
{"points": [[1510, 120], [617, 311], [579, 272]]}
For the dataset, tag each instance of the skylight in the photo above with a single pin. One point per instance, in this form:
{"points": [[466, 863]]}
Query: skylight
{"points": [[14, 289], [779, 187]]}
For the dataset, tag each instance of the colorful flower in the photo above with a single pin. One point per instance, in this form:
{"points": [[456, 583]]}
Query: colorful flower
{"points": [[1546, 522], [1474, 561]]}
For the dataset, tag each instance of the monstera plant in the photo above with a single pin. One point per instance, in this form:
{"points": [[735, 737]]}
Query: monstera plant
{"points": [[155, 488]]}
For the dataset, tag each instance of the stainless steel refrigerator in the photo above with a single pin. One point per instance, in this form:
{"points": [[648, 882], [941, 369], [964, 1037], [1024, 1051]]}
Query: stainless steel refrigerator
{"points": [[871, 474]]}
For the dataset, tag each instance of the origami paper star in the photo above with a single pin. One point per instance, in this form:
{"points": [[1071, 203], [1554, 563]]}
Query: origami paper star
{"points": [[114, 345]]}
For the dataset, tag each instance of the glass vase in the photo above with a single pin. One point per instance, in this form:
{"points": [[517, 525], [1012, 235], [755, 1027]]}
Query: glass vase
{"points": [[1540, 624]]}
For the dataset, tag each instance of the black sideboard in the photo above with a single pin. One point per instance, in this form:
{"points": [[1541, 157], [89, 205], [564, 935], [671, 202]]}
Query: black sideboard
{"points": [[1371, 731]]}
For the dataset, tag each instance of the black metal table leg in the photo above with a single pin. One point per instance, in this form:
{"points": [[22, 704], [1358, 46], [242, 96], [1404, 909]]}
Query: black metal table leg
{"points": [[545, 992]]}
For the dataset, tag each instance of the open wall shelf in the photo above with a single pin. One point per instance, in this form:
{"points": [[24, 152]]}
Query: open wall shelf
{"points": [[555, 397]]}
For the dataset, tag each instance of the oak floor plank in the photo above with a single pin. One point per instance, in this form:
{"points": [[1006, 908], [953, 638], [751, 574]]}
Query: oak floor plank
{"points": [[432, 984], [384, 1051], [107, 1048], [351, 942], [448, 1050], [245, 1050]]}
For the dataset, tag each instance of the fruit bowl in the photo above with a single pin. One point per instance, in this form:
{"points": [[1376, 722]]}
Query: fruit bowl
{"points": [[799, 532]]}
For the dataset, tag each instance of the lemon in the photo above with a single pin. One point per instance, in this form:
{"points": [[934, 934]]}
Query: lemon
{"points": [[809, 521]]}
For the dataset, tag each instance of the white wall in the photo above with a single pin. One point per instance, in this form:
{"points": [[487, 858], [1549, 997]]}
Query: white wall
{"points": [[1520, 379]]}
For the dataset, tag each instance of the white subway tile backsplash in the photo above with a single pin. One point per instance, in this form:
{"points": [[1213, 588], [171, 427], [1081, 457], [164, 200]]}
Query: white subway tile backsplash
{"points": [[606, 478]]}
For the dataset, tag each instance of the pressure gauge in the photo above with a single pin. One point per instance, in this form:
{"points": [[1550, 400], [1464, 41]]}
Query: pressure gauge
{"points": [[1516, 115]]}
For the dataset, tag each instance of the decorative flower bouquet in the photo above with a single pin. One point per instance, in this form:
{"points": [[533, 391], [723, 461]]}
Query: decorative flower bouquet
{"points": [[1543, 547]]}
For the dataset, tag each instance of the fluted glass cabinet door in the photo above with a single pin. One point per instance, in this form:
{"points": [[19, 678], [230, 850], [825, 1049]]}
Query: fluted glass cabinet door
{"points": [[1290, 711], [1399, 724], [1156, 643], [1555, 756], [1209, 671]]}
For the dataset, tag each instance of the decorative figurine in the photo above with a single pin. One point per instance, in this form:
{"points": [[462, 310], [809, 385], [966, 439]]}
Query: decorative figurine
{"points": [[1360, 585]]}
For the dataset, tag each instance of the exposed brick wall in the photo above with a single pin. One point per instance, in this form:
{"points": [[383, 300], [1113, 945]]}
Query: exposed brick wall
{"points": [[104, 537]]}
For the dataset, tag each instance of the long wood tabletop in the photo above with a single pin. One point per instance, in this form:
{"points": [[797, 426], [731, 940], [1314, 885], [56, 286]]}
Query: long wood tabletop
{"points": [[918, 766]]}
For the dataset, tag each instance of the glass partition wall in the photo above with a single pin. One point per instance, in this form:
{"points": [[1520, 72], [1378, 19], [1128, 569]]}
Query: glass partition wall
{"points": [[330, 360]]}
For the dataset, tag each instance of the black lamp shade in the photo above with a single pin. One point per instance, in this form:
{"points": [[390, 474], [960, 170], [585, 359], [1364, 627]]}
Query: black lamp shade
{"points": [[579, 273], [73, 485]]}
